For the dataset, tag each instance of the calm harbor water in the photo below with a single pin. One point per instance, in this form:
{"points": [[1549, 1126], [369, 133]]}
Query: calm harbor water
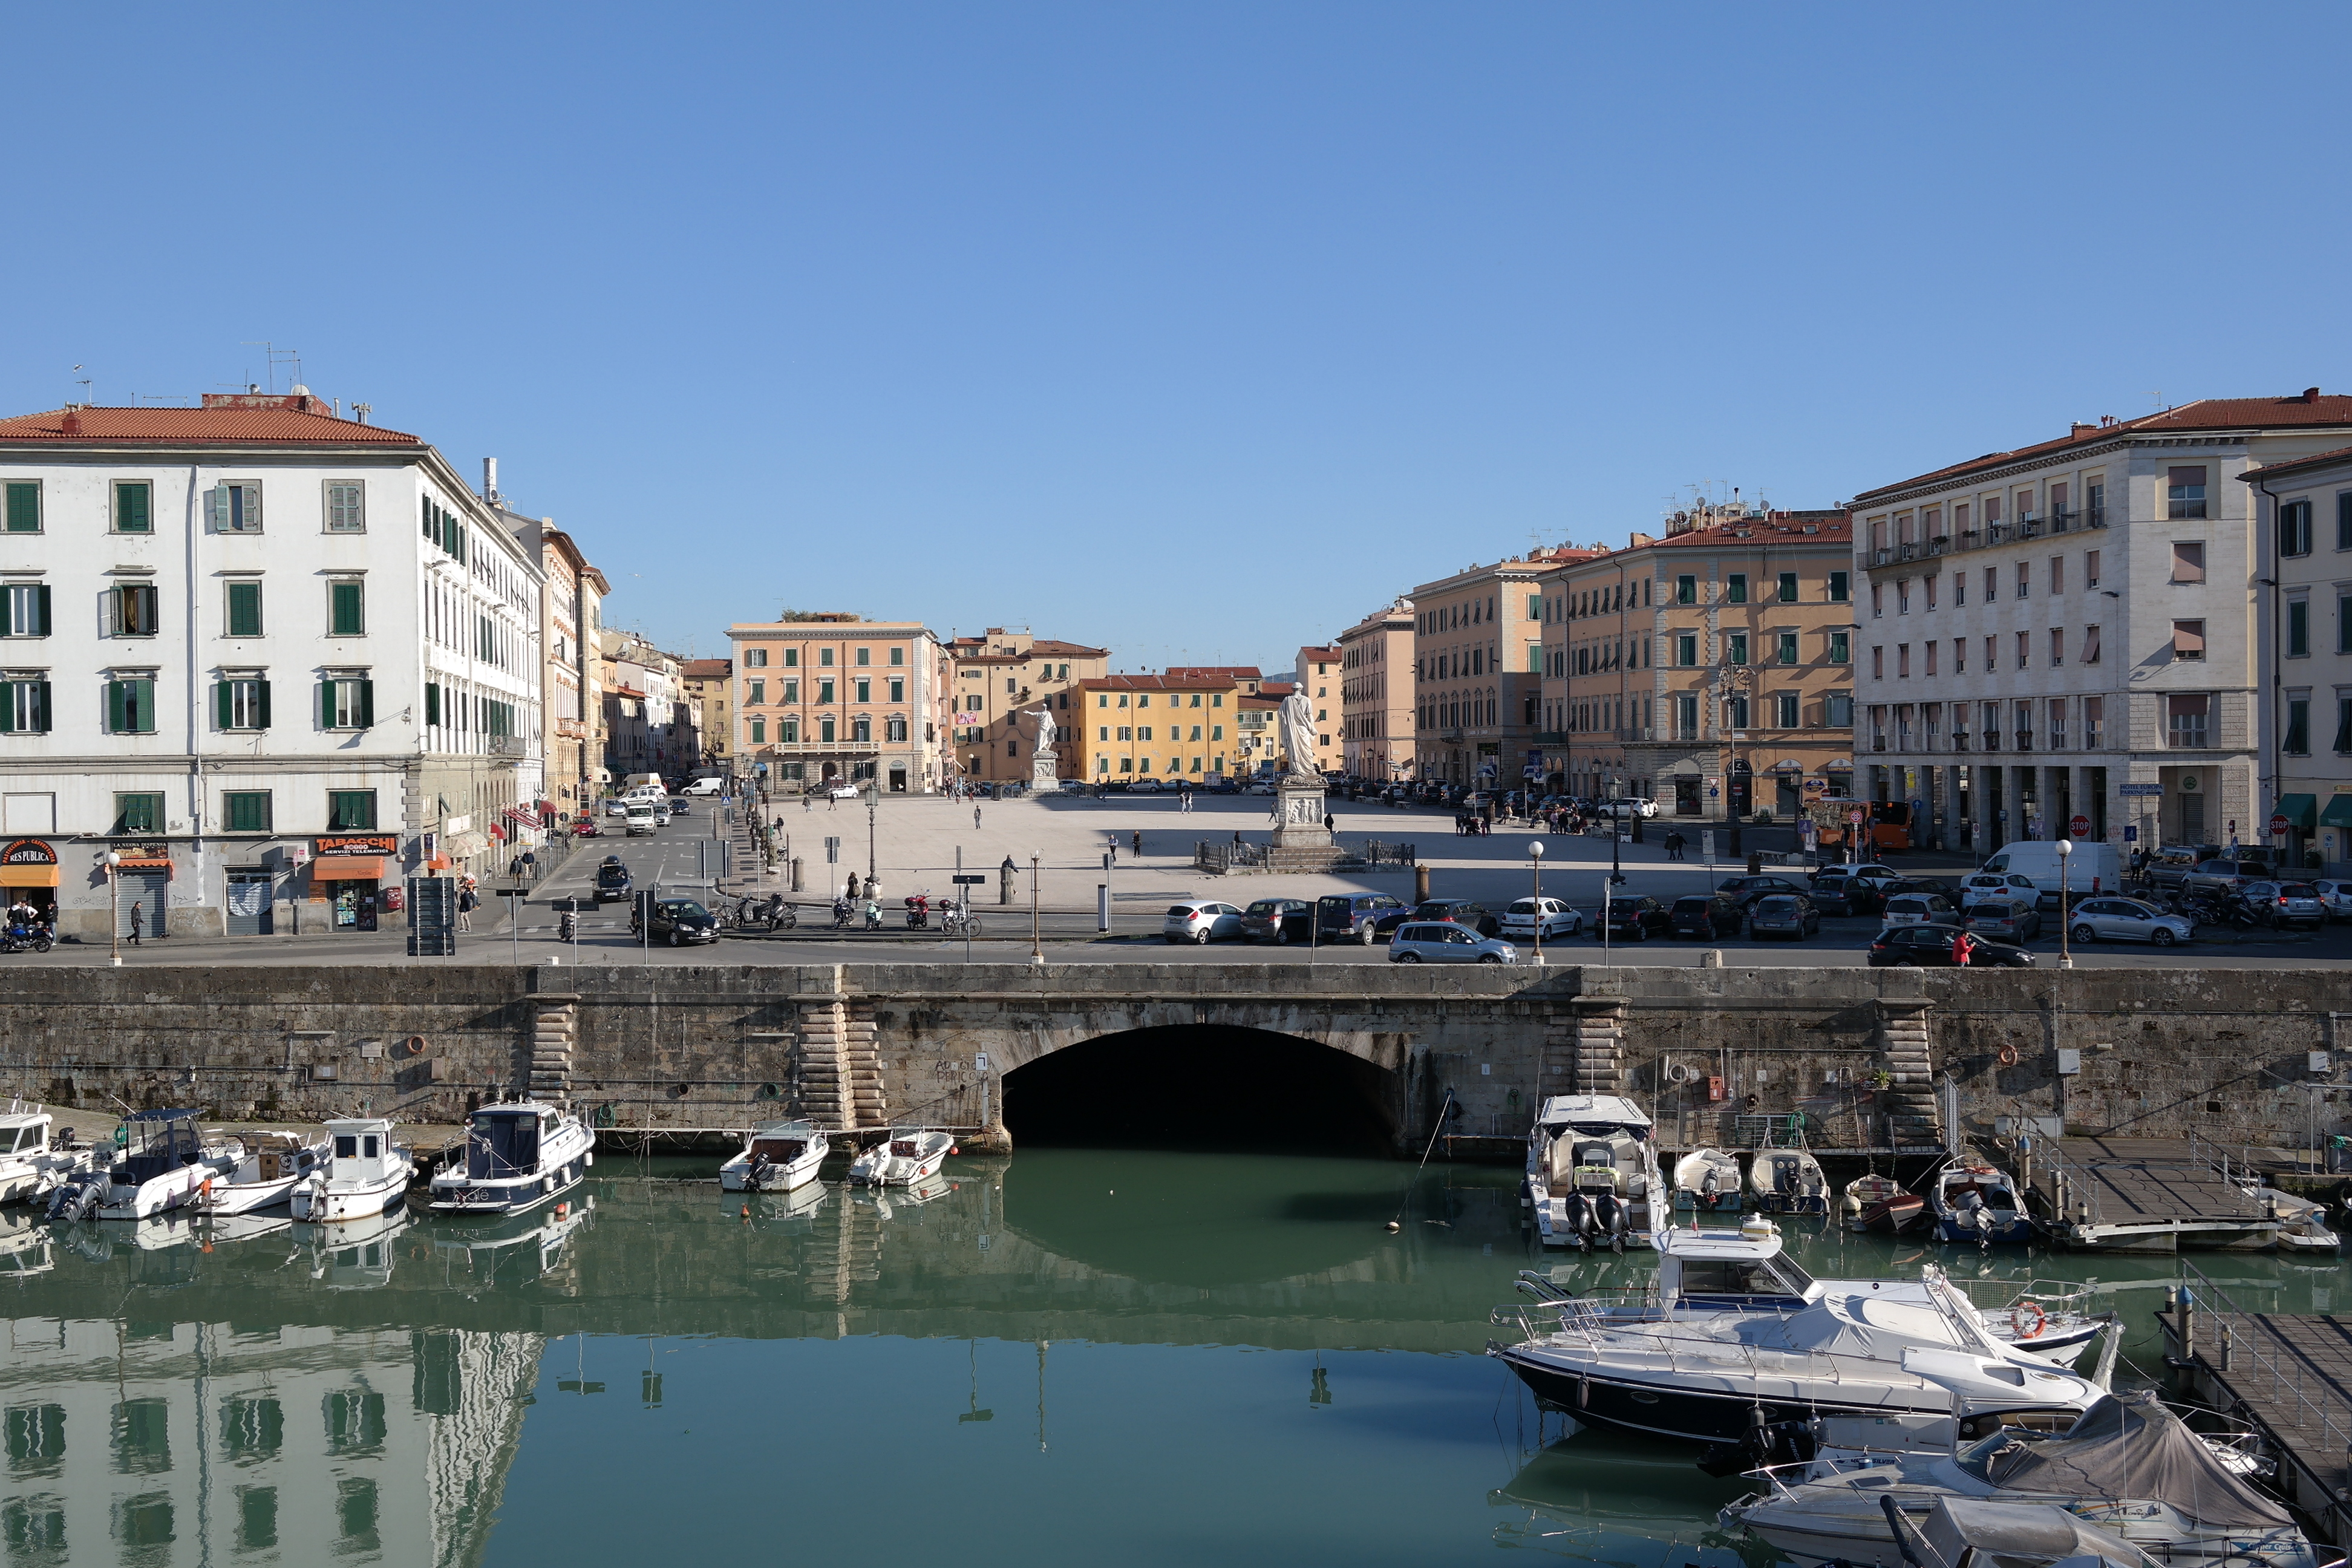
{"points": [[1070, 1356]]}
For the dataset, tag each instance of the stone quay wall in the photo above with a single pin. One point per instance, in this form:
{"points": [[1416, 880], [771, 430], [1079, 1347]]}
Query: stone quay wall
{"points": [[1860, 1054]]}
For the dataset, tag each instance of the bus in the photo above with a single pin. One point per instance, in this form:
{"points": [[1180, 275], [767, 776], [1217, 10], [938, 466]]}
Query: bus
{"points": [[1887, 824]]}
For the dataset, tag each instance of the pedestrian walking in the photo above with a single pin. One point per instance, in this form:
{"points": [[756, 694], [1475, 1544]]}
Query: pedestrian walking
{"points": [[1963, 945], [975, 819], [466, 903], [807, 804], [1139, 844], [135, 919]]}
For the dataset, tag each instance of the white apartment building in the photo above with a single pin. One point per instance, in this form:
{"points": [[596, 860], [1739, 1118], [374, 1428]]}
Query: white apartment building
{"points": [[2061, 638], [2305, 522], [253, 657]]}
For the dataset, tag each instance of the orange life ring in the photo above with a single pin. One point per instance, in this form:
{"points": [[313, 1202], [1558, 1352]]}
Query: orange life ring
{"points": [[2009, 1055], [414, 1045], [2028, 1313]]}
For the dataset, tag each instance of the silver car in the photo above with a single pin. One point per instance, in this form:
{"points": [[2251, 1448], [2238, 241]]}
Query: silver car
{"points": [[1201, 921], [2283, 904], [2127, 920], [1559, 920], [1920, 910], [2336, 896], [1443, 942]]}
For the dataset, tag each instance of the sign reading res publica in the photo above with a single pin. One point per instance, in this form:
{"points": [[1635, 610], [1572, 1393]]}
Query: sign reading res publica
{"points": [[28, 852]]}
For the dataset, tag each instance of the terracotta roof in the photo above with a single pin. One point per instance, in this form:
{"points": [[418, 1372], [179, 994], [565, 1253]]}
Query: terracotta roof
{"points": [[707, 668], [1325, 654], [619, 690], [1070, 650], [1175, 680], [2306, 409], [1766, 531], [182, 426], [1232, 671], [2298, 465], [1276, 689]]}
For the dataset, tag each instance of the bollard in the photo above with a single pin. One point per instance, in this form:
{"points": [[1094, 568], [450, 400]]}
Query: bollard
{"points": [[1731, 842], [1102, 906], [1421, 884], [797, 873], [1637, 828], [1712, 958]]}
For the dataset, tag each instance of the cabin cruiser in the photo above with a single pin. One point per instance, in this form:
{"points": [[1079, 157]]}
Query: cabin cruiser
{"points": [[2127, 1465], [1787, 1181], [1976, 1202], [907, 1156], [1707, 1181], [31, 1163], [267, 1166], [776, 1159], [1738, 1337], [1592, 1173], [364, 1173], [517, 1155], [164, 1165]]}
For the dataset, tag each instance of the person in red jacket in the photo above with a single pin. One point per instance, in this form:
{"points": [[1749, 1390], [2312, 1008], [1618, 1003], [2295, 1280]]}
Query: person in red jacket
{"points": [[1963, 945]]}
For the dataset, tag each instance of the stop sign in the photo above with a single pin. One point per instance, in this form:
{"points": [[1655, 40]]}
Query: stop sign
{"points": [[2278, 823], [2081, 825]]}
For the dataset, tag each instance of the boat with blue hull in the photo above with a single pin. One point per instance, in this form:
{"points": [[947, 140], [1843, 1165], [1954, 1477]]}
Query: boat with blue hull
{"points": [[1976, 1202], [517, 1157]]}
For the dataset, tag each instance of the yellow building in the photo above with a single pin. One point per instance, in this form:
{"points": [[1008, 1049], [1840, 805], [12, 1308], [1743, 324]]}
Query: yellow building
{"points": [[1173, 728], [999, 681]]}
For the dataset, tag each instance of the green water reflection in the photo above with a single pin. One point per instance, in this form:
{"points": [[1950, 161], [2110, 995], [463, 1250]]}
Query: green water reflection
{"points": [[1070, 1356]]}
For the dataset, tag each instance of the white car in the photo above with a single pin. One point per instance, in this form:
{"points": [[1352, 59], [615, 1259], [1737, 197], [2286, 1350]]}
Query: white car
{"points": [[2002, 886], [1919, 909], [1559, 920], [2127, 919], [1259, 789], [843, 792], [1202, 922], [2336, 896], [1629, 806]]}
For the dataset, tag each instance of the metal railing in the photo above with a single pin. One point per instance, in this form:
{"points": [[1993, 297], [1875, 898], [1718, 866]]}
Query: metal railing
{"points": [[2258, 1354]]}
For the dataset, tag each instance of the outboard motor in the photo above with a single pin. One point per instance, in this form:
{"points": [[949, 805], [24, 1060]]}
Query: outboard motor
{"points": [[1577, 1210], [1608, 1212], [755, 1177]]}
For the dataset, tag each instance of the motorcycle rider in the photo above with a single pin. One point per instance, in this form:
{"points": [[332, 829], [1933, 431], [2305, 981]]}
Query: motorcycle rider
{"points": [[842, 910]]}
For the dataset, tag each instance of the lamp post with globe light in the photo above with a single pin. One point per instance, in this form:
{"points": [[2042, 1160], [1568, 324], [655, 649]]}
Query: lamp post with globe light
{"points": [[115, 905], [2065, 915], [1535, 863]]}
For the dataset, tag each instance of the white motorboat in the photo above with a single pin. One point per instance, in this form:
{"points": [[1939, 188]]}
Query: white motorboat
{"points": [[907, 1156], [776, 1159], [1707, 1181], [1592, 1173], [527, 1244], [790, 1212], [364, 1173], [164, 1165], [268, 1166], [1975, 1203], [1787, 1181], [1744, 1342], [2303, 1224], [34, 1159], [886, 1201], [518, 1156], [2126, 1466]]}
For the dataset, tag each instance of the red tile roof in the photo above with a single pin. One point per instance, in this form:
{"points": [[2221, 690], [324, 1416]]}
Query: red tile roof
{"points": [[2303, 410], [1229, 671], [2298, 465], [1174, 682], [1276, 689], [199, 426], [1828, 527], [706, 668], [1325, 654]]}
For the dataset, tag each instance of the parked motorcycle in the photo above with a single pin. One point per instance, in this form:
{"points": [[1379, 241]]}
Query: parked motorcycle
{"points": [[957, 919], [873, 915], [919, 912], [842, 914], [27, 938]]}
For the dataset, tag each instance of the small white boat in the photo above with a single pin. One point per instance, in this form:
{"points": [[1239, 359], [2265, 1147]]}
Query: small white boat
{"points": [[885, 1201], [904, 1158], [1976, 1202], [268, 1166], [776, 1159], [164, 1165], [1592, 1173], [518, 1156], [2302, 1225], [31, 1163], [790, 1212], [1706, 1181], [1787, 1181], [364, 1173], [525, 1245]]}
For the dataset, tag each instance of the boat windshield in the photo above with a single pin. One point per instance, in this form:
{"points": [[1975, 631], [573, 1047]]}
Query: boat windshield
{"points": [[1748, 1279], [502, 1143]]}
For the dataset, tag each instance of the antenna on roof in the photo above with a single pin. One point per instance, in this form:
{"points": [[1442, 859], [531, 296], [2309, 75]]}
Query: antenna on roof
{"points": [[359, 411], [84, 382]]}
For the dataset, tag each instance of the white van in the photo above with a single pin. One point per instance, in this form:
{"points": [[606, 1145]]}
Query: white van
{"points": [[640, 819], [2091, 867], [703, 788], [643, 795]]}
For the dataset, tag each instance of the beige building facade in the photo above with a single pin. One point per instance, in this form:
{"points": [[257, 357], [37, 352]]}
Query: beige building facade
{"points": [[1376, 721], [706, 683], [827, 700], [2304, 515], [1176, 728], [1478, 670], [997, 684]]}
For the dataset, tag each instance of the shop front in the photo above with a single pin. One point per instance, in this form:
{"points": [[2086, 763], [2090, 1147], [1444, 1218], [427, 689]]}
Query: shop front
{"points": [[347, 874], [28, 870], [142, 889]]}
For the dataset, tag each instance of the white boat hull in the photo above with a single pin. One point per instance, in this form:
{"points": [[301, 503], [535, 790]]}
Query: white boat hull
{"points": [[893, 1172], [337, 1202], [248, 1197], [735, 1176]]}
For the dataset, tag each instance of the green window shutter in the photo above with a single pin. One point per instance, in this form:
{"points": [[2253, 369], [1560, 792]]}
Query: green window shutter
{"points": [[262, 707], [7, 707], [426, 514], [346, 609], [142, 706], [216, 509], [40, 612], [223, 705], [9, 597], [367, 704], [131, 515], [326, 704], [24, 507], [432, 703], [115, 723], [245, 609]]}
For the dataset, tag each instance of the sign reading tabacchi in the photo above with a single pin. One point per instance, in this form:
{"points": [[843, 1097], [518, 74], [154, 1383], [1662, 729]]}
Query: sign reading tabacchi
{"points": [[362, 845]]}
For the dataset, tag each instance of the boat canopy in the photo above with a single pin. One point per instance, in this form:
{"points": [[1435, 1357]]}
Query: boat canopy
{"points": [[2017, 1532], [1596, 1115], [2130, 1446]]}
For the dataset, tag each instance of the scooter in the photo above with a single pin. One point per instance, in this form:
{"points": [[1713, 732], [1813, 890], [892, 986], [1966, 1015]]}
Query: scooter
{"points": [[842, 914], [873, 915], [919, 912]]}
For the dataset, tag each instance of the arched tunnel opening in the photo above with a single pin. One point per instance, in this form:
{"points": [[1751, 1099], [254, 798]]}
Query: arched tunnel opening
{"points": [[1203, 1087]]}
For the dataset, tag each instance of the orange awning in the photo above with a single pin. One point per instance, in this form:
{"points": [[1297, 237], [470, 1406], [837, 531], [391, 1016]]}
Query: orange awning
{"points": [[28, 877], [348, 868], [145, 863]]}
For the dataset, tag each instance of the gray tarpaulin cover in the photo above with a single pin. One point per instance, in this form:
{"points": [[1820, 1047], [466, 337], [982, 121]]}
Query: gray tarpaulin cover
{"points": [[2033, 1533], [2130, 1446]]}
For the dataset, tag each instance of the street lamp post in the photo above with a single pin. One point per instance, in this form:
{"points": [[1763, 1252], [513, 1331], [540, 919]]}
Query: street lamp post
{"points": [[114, 906], [2065, 916], [1535, 863], [1036, 954], [873, 798]]}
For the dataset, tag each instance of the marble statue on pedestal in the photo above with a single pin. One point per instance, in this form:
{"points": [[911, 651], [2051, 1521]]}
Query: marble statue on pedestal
{"points": [[1044, 766]]}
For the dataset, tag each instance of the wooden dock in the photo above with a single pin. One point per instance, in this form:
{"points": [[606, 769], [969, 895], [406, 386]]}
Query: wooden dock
{"points": [[2286, 1374], [2142, 1195]]}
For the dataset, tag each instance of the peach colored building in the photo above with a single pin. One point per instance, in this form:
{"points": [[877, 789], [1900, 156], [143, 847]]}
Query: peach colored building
{"points": [[1318, 675], [1478, 670], [830, 699], [1376, 732]]}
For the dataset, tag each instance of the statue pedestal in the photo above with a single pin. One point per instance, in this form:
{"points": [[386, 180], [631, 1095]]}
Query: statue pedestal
{"points": [[1044, 772], [1298, 816]]}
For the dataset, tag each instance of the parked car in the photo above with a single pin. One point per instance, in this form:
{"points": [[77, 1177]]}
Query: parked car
{"points": [[1919, 909], [1461, 912], [1203, 920], [679, 922], [612, 879], [1278, 921], [1636, 917], [2128, 919], [2001, 886], [2004, 920], [1844, 895], [1258, 789], [706, 786], [1707, 916], [842, 791], [1747, 889], [1783, 914], [1629, 806], [1072, 786], [2286, 904], [2225, 877], [2336, 896], [2169, 866], [1145, 787], [1928, 947], [1447, 942], [1362, 918], [1556, 920]]}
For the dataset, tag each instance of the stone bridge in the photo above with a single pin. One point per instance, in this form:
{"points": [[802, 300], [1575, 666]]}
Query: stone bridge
{"points": [[671, 1050]]}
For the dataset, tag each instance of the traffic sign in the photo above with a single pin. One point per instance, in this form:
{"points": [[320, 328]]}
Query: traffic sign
{"points": [[833, 851], [2140, 789], [1853, 818], [974, 880], [2081, 825], [2279, 824]]}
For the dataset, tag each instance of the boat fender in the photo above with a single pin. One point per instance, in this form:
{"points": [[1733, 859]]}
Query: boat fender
{"points": [[2009, 1055], [2027, 1319], [1583, 1391], [547, 1184]]}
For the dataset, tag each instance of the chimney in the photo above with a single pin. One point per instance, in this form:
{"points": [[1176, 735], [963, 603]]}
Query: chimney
{"points": [[2106, 421], [71, 424], [491, 479], [2079, 430], [2311, 394]]}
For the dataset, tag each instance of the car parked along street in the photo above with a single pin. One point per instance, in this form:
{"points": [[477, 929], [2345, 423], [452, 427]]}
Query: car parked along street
{"points": [[1444, 942]]}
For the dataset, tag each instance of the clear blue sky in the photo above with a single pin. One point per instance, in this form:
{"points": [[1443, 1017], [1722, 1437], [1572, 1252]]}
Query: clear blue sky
{"points": [[1194, 331]]}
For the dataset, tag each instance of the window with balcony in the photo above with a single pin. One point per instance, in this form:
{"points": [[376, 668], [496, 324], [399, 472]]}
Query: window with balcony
{"points": [[2189, 639], [2186, 720], [788, 731], [2184, 493], [861, 731], [1990, 728]]}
